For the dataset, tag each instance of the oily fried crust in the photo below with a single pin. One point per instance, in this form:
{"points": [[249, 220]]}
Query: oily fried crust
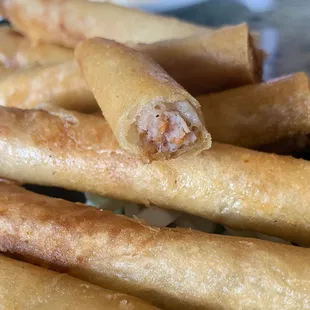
{"points": [[141, 83], [173, 268], [253, 116], [233, 186], [25, 286], [58, 84]]}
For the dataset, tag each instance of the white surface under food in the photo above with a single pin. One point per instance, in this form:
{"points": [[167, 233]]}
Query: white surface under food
{"points": [[155, 216]]}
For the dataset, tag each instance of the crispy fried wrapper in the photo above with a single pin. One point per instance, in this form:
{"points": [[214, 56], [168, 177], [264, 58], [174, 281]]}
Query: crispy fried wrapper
{"points": [[71, 21], [58, 84], [150, 114], [172, 268], [237, 187], [260, 115], [17, 51], [201, 63], [212, 61], [24, 286]]}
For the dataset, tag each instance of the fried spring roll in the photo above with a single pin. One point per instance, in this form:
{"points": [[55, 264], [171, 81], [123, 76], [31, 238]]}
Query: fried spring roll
{"points": [[256, 115], [172, 268], [58, 84], [17, 51], [222, 59], [213, 61], [150, 114], [24, 286], [240, 188], [68, 22]]}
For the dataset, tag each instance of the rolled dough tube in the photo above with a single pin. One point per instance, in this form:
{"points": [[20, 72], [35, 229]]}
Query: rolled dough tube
{"points": [[58, 84], [208, 62], [202, 63], [237, 187], [150, 114], [17, 52], [172, 268], [24, 286], [256, 115], [68, 22]]}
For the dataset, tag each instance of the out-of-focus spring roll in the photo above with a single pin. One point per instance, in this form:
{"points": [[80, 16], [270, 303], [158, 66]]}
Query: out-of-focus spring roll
{"points": [[256, 115], [9, 43], [150, 114], [172, 268], [17, 51], [58, 84], [236, 187], [213, 61], [202, 63], [24, 286], [41, 54], [68, 22]]}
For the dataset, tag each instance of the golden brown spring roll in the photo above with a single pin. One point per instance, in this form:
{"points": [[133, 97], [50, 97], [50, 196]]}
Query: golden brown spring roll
{"points": [[268, 115], [68, 22], [257, 115], [17, 51], [58, 84], [172, 268], [213, 61], [150, 114], [24, 286], [240, 188]]}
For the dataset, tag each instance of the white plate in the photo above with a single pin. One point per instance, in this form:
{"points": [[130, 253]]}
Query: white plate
{"points": [[156, 5]]}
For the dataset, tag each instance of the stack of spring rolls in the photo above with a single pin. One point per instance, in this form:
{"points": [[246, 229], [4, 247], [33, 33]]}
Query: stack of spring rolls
{"points": [[169, 124]]}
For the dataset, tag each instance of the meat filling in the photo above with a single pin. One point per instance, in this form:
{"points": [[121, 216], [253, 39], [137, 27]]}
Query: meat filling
{"points": [[163, 131]]}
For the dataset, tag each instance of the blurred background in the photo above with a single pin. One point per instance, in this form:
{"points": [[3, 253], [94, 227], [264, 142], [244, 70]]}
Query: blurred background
{"points": [[282, 25]]}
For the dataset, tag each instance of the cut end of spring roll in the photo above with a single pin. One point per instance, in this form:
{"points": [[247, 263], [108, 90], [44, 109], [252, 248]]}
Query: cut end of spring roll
{"points": [[150, 114], [166, 130]]}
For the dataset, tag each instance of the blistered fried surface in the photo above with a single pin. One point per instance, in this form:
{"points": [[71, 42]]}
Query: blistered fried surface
{"points": [[236, 187], [24, 286], [173, 268]]}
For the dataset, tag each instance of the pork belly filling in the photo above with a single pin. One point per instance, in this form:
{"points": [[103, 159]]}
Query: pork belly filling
{"points": [[165, 131]]}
